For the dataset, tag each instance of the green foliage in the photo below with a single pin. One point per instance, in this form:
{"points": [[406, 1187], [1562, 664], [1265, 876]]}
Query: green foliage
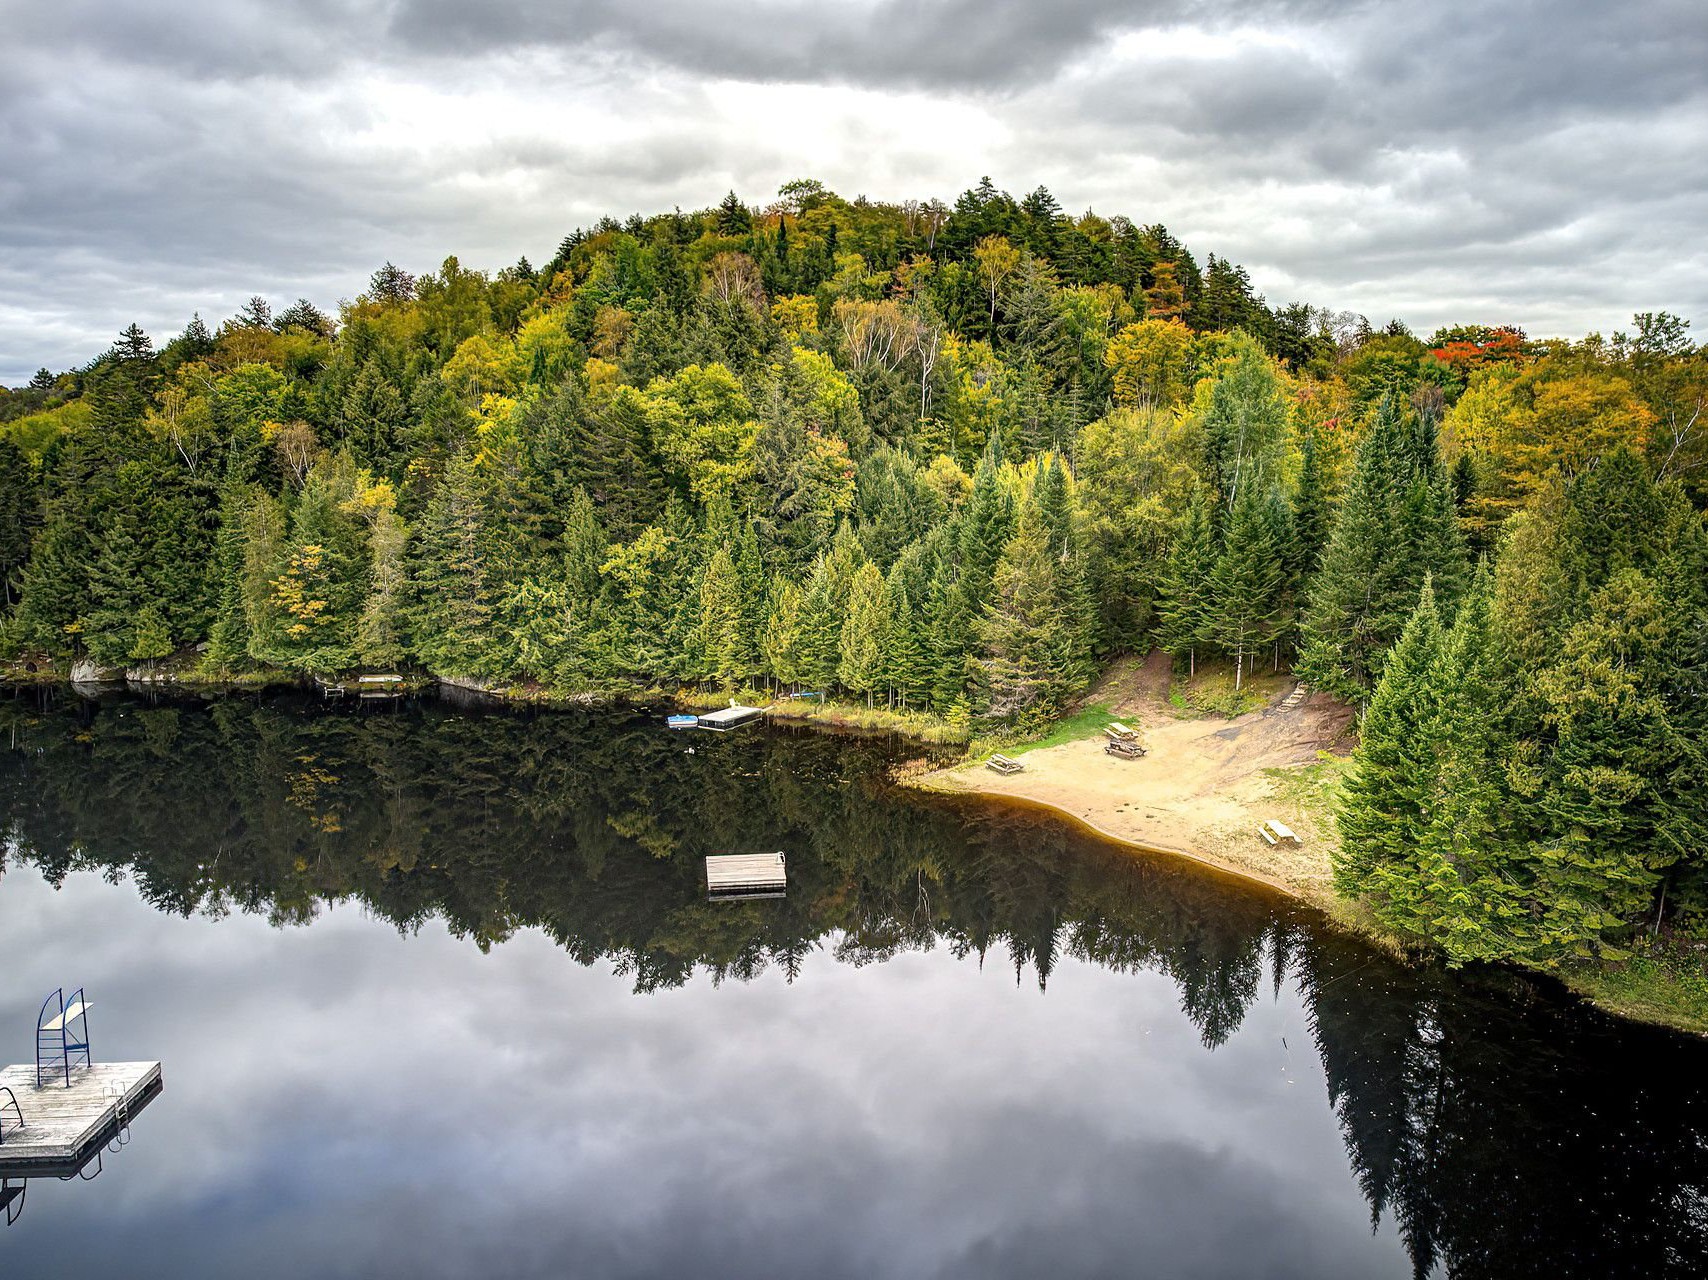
{"points": [[1394, 528], [729, 448]]}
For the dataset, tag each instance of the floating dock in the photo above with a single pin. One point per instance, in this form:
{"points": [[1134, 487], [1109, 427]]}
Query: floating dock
{"points": [[730, 718], [63, 1126], [746, 875]]}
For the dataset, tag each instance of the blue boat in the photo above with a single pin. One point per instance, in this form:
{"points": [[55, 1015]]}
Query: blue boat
{"points": [[681, 722]]}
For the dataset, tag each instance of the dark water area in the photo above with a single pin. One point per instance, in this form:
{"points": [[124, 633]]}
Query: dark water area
{"points": [[438, 992]]}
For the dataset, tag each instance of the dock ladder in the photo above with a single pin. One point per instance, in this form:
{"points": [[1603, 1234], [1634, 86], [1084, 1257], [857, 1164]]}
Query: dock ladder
{"points": [[120, 1107], [62, 1036], [12, 1197], [11, 1100]]}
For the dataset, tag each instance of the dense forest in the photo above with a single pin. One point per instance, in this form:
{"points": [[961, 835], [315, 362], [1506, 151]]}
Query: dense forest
{"points": [[947, 459], [1440, 1083]]}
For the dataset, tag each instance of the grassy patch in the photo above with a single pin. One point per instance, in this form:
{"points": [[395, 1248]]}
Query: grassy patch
{"points": [[1211, 693], [1312, 788], [1087, 722], [1662, 982], [919, 725]]}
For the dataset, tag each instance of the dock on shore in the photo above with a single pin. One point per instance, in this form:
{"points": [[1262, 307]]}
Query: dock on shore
{"points": [[63, 1125]]}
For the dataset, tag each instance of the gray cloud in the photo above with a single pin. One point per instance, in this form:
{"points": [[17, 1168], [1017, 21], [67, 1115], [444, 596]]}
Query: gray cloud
{"points": [[1534, 163]]}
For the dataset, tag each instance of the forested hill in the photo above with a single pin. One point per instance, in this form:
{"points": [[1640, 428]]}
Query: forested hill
{"points": [[945, 458]]}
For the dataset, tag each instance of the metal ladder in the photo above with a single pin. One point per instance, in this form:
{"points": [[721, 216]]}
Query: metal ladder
{"points": [[12, 1198], [60, 1039], [12, 1102], [120, 1107]]}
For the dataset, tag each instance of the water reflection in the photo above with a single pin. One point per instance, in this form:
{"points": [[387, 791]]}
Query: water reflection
{"points": [[913, 1118]]}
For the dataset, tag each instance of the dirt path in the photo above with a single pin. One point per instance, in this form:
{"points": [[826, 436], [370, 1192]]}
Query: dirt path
{"points": [[1201, 791]]}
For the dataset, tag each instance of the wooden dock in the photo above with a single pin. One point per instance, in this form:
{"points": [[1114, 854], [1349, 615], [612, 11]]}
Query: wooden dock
{"points": [[63, 1126], [746, 875], [730, 718]]}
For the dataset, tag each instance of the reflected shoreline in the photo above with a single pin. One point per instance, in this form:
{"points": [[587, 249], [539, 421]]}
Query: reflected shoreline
{"points": [[1507, 1129]]}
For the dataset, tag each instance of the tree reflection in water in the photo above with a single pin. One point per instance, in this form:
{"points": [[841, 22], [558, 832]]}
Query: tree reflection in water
{"points": [[1506, 1130]]}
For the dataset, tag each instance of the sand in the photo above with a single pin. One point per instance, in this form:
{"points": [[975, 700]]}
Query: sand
{"points": [[1201, 791]]}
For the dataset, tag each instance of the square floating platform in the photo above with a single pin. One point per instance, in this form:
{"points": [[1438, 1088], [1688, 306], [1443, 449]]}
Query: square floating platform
{"points": [[62, 1126], [730, 718], [746, 875]]}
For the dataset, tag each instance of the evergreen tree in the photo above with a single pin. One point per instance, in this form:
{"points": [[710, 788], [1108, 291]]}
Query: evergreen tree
{"points": [[907, 660], [1464, 885], [1247, 586], [1384, 802], [719, 642], [780, 638], [150, 640], [1395, 527], [19, 515], [453, 584], [1036, 635], [1183, 591], [1311, 510], [1244, 427], [865, 633]]}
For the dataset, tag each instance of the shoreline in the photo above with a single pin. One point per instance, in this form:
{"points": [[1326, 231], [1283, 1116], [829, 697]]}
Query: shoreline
{"points": [[1225, 866], [1204, 810]]}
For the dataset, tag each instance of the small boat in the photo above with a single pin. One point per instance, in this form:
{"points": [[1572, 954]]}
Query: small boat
{"points": [[681, 721]]}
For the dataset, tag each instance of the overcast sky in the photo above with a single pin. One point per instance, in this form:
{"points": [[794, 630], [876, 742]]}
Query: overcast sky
{"points": [[1536, 163]]}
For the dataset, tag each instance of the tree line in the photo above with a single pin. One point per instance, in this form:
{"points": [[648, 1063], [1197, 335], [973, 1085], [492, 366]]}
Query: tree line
{"points": [[943, 458]]}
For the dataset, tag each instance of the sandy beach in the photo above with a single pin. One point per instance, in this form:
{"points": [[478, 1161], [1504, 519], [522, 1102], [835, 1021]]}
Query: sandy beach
{"points": [[1203, 787]]}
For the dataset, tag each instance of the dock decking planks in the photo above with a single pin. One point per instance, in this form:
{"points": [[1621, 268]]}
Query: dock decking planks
{"points": [[729, 718], [62, 1125], [746, 875]]}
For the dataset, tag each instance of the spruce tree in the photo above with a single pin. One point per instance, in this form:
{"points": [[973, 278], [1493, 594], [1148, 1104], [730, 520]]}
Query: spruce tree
{"points": [[1466, 889], [719, 641], [1395, 527], [1183, 589], [1247, 586], [780, 637], [865, 633], [1311, 509], [453, 584], [1384, 803], [19, 515], [908, 667]]}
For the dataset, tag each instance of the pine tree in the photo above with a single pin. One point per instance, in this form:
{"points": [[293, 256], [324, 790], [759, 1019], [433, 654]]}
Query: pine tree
{"points": [[719, 640], [780, 637], [453, 584], [1395, 527], [1612, 829], [1311, 509], [1383, 808], [1247, 586], [865, 633], [1183, 591]]}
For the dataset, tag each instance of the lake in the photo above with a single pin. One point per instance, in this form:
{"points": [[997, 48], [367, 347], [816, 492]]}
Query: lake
{"points": [[438, 992]]}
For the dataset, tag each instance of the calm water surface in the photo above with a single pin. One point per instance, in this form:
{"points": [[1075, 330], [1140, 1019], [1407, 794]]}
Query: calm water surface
{"points": [[438, 994]]}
